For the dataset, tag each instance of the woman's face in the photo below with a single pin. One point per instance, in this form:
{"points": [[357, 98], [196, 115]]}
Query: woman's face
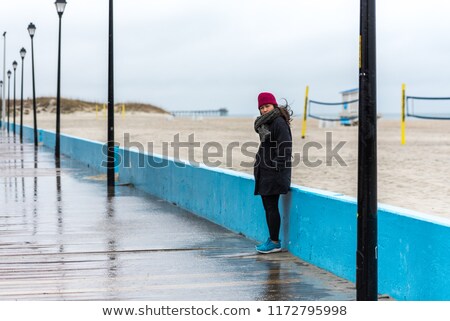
{"points": [[264, 109]]}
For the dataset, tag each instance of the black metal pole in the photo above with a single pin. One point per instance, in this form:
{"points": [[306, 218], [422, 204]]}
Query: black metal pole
{"points": [[9, 92], [21, 107], [367, 251], [110, 154], [34, 97], [58, 97], [4, 81], [14, 98], [1, 103]]}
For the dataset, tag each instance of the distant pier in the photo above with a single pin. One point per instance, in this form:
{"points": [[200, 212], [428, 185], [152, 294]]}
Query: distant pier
{"points": [[209, 112]]}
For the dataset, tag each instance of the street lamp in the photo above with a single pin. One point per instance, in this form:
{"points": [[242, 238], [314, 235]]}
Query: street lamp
{"points": [[4, 79], [14, 94], [367, 204], [32, 31], [60, 6], [1, 100], [9, 91], [110, 157], [23, 52]]}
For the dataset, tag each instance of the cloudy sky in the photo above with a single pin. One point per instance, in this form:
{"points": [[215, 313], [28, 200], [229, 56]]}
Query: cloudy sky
{"points": [[208, 54]]}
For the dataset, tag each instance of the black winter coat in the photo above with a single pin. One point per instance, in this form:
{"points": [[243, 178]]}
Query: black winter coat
{"points": [[272, 168]]}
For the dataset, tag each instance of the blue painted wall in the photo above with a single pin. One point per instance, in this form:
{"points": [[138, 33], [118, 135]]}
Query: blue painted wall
{"points": [[318, 226]]}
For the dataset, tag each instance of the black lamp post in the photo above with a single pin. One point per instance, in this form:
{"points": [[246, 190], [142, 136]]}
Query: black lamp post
{"points": [[1, 101], [23, 52], [367, 220], [32, 31], [4, 84], [9, 91], [60, 6], [14, 94], [110, 155]]}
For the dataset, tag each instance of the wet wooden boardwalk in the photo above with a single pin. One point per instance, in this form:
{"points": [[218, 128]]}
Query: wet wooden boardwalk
{"points": [[63, 238]]}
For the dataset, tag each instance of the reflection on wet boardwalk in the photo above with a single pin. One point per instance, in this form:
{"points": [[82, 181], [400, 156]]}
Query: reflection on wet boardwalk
{"points": [[63, 238]]}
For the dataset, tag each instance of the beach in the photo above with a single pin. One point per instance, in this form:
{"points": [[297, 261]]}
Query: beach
{"points": [[412, 176]]}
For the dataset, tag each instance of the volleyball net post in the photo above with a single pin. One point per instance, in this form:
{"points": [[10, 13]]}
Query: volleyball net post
{"points": [[403, 125], [305, 113]]}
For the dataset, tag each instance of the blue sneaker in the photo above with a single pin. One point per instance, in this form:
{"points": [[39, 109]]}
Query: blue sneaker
{"points": [[269, 247]]}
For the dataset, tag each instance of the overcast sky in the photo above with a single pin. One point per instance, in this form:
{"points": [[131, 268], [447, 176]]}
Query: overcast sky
{"points": [[208, 54]]}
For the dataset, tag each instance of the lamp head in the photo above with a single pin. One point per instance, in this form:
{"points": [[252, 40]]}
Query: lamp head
{"points": [[31, 29], [23, 52], [60, 6]]}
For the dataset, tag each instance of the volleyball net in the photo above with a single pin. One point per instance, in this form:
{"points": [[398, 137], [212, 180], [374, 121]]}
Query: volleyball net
{"points": [[434, 108], [431, 108], [345, 112], [329, 111]]}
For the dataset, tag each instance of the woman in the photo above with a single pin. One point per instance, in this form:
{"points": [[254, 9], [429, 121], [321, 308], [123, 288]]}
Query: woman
{"points": [[272, 167]]}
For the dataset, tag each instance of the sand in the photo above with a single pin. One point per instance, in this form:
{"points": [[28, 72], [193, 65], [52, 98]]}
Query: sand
{"points": [[413, 176]]}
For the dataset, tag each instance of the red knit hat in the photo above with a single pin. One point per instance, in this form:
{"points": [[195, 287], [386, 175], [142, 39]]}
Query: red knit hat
{"points": [[266, 98]]}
